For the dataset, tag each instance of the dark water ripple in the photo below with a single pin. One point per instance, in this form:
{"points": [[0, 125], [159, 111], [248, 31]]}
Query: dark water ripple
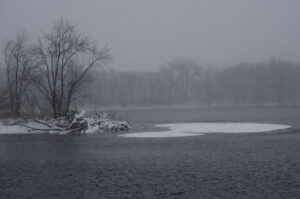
{"points": [[107, 166]]}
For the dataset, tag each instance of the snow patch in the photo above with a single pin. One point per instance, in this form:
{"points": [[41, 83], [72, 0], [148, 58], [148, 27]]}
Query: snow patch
{"points": [[13, 129], [195, 129]]}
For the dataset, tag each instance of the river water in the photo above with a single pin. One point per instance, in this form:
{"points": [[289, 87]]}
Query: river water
{"points": [[264, 165]]}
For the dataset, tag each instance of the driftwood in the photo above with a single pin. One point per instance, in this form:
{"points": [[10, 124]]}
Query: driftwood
{"points": [[39, 129], [78, 123]]}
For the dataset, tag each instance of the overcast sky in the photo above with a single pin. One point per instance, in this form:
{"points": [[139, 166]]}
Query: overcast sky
{"points": [[144, 34]]}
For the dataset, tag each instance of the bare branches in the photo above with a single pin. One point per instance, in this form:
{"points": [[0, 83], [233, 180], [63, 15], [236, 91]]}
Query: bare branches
{"points": [[58, 65], [19, 69], [66, 58]]}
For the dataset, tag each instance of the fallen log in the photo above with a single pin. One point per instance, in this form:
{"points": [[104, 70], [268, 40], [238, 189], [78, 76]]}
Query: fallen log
{"points": [[78, 123], [40, 129]]}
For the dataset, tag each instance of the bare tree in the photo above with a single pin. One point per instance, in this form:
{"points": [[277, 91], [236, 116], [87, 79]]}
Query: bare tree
{"points": [[65, 58], [19, 69], [3, 98]]}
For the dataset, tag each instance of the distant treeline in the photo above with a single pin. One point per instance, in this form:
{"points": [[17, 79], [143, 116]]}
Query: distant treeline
{"points": [[183, 81], [62, 70]]}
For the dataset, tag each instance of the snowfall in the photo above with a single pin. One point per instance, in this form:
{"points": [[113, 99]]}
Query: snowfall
{"points": [[196, 129]]}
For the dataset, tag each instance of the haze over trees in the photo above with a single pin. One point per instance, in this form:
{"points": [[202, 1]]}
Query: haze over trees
{"points": [[60, 72], [182, 81], [19, 67], [65, 59], [57, 67]]}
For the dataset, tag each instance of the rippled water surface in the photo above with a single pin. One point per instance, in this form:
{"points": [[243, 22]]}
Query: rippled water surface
{"points": [[265, 165]]}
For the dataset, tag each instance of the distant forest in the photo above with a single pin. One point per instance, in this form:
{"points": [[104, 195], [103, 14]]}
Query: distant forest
{"points": [[272, 82], [63, 70]]}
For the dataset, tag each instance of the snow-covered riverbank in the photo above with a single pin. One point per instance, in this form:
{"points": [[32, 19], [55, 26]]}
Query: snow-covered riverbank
{"points": [[12, 129], [97, 123]]}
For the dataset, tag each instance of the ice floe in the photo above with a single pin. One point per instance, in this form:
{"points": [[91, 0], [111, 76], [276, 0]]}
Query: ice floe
{"points": [[195, 129]]}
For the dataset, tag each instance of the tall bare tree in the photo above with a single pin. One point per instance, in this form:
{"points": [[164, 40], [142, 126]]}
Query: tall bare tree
{"points": [[19, 69], [65, 58]]}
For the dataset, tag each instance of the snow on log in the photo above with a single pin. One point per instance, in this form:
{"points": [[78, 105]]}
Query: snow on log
{"points": [[76, 123], [106, 124]]}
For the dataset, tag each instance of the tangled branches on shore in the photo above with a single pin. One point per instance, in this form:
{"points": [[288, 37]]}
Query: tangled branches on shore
{"points": [[78, 123]]}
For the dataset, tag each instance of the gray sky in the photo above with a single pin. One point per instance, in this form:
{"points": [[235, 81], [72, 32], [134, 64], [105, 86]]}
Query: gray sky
{"points": [[144, 34]]}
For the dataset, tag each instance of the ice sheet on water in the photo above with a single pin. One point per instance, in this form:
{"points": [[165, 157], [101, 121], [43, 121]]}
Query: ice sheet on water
{"points": [[193, 129]]}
